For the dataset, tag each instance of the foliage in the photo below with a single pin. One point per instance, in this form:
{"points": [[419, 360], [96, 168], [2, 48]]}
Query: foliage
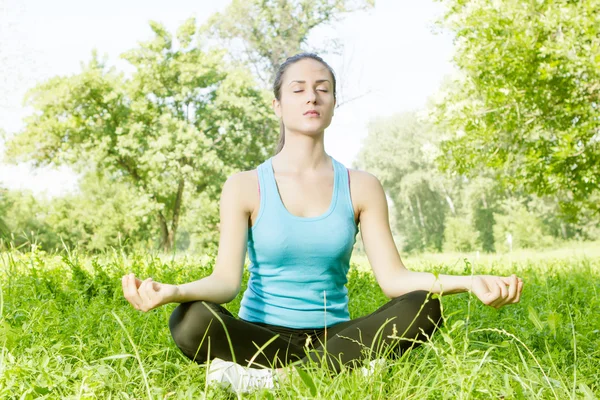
{"points": [[459, 235], [22, 218], [526, 103], [270, 31], [188, 117], [185, 119], [400, 151], [434, 210], [61, 334], [105, 214], [525, 229]]}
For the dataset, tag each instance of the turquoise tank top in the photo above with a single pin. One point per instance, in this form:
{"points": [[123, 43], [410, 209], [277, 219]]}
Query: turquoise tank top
{"points": [[299, 266]]}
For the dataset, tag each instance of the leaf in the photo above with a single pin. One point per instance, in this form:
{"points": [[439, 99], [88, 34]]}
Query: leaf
{"points": [[269, 395], [41, 390], [533, 316], [585, 389], [307, 380], [115, 357], [458, 324]]}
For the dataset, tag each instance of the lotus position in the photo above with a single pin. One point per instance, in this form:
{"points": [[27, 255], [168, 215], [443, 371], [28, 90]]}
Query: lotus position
{"points": [[297, 215]]}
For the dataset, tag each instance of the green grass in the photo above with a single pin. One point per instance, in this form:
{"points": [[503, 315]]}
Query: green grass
{"points": [[67, 332]]}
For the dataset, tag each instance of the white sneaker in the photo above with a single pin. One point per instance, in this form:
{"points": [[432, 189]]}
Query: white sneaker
{"points": [[373, 366], [238, 378]]}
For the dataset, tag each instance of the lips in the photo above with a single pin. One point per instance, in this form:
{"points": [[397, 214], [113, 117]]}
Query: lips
{"points": [[312, 112]]}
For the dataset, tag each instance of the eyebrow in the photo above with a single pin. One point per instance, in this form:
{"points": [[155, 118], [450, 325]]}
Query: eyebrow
{"points": [[318, 81]]}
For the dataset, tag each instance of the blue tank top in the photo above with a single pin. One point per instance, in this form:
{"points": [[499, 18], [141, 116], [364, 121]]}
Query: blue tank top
{"points": [[299, 265]]}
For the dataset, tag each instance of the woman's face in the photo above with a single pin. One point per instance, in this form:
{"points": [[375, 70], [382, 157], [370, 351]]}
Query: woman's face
{"points": [[307, 85]]}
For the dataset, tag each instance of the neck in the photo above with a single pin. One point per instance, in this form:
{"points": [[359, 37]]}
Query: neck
{"points": [[302, 153]]}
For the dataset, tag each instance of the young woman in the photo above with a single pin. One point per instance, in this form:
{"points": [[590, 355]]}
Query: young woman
{"points": [[297, 215]]}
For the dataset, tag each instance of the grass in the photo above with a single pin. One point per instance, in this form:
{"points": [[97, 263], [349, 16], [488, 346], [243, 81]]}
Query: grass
{"points": [[67, 332]]}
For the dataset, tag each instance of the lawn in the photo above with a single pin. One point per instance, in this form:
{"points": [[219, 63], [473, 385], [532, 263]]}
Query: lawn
{"points": [[67, 332]]}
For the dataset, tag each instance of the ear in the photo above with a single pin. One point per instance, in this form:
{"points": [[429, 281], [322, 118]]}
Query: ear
{"points": [[276, 107]]}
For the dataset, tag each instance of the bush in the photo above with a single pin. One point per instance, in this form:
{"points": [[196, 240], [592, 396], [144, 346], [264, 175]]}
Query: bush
{"points": [[459, 235], [524, 227]]}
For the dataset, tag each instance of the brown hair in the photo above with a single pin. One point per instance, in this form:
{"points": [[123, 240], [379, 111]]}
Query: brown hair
{"points": [[278, 81]]}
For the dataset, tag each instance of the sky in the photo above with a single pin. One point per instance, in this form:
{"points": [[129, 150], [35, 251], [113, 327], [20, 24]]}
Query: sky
{"points": [[393, 59]]}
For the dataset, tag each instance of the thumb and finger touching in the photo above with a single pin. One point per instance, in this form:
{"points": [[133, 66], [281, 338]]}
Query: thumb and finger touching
{"points": [[149, 292], [143, 295], [504, 290]]}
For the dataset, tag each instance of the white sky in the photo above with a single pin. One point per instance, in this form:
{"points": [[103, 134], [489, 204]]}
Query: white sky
{"points": [[393, 53]]}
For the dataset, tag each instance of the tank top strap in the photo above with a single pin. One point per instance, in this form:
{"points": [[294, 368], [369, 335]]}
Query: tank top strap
{"points": [[344, 198], [264, 190]]}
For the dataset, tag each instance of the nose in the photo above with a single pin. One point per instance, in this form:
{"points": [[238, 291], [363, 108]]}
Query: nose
{"points": [[312, 96]]}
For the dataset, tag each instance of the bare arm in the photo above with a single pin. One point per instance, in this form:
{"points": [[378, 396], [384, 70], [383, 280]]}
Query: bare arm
{"points": [[224, 283], [210, 288], [395, 279]]}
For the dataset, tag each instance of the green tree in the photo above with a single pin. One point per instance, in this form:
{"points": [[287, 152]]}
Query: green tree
{"points": [[482, 196], [22, 218], [525, 228], [269, 31], [459, 235], [400, 151], [526, 105], [102, 214], [184, 120]]}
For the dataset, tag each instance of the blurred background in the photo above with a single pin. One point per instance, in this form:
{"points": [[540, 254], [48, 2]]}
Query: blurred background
{"points": [[120, 121]]}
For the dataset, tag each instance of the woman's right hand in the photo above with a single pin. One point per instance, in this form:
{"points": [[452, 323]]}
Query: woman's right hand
{"points": [[146, 295]]}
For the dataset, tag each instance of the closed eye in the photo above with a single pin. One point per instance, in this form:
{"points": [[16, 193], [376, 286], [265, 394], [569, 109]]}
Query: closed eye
{"points": [[298, 91]]}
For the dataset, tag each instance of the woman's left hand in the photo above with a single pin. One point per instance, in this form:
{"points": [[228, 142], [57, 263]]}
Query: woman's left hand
{"points": [[497, 291]]}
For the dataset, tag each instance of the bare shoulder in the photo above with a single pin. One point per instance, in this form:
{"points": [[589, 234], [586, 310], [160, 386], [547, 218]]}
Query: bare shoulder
{"points": [[244, 184], [363, 177], [363, 187]]}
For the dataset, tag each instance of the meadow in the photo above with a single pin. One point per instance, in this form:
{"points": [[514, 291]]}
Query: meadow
{"points": [[67, 332]]}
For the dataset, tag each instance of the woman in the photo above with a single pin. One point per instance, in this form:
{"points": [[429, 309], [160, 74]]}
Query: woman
{"points": [[297, 215]]}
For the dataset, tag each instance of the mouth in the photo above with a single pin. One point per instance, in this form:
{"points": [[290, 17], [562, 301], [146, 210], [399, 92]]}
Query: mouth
{"points": [[312, 113]]}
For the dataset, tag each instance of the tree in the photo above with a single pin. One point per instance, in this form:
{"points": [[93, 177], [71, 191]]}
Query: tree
{"points": [[184, 120], [188, 117], [22, 218], [526, 105], [263, 33], [400, 151]]}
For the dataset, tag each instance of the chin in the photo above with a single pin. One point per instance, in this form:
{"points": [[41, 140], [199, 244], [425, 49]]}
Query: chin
{"points": [[313, 131], [314, 126]]}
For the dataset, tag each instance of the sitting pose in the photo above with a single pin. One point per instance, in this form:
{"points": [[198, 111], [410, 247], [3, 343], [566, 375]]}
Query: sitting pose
{"points": [[297, 216]]}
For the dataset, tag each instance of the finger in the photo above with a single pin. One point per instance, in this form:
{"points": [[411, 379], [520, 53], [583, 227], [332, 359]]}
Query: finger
{"points": [[495, 292], [126, 293], [502, 293], [512, 291], [505, 279], [503, 290], [134, 295], [508, 280], [136, 280], [519, 290], [145, 290], [513, 288], [151, 296], [132, 290]]}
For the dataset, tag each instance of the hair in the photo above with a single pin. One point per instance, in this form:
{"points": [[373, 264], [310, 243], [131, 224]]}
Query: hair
{"points": [[278, 81]]}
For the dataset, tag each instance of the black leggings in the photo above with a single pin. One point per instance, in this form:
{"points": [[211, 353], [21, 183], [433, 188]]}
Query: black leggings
{"points": [[198, 329]]}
